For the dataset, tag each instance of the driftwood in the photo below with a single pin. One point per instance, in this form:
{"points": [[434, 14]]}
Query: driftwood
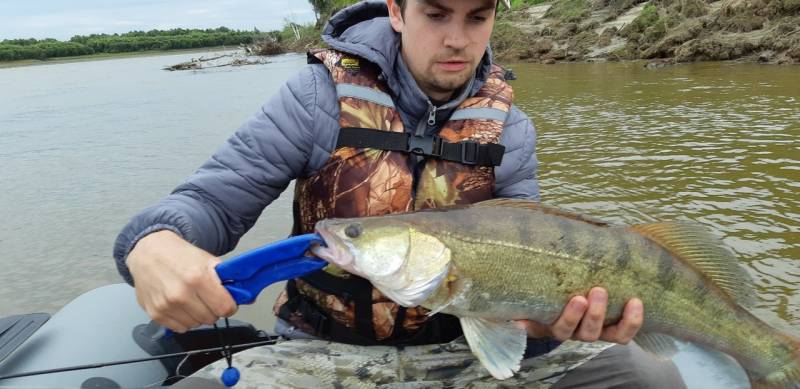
{"points": [[267, 46], [235, 59]]}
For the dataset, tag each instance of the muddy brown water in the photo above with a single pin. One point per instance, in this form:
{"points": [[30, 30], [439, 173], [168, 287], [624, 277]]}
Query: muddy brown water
{"points": [[83, 146]]}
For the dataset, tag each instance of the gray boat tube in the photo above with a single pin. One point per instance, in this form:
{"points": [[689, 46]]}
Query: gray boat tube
{"points": [[96, 327]]}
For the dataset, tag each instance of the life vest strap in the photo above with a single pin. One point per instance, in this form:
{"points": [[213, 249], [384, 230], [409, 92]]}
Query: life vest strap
{"points": [[355, 289], [440, 328], [430, 146]]}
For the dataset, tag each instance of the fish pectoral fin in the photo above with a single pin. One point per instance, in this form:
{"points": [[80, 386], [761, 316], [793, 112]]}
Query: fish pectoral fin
{"points": [[499, 346], [462, 289], [660, 345]]}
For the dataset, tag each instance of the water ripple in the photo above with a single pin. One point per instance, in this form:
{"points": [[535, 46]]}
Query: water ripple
{"points": [[710, 144]]}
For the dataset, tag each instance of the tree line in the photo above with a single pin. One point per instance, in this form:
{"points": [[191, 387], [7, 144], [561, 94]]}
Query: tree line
{"points": [[179, 38]]}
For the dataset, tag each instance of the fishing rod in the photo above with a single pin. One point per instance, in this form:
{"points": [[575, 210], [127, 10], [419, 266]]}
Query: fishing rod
{"points": [[138, 360]]}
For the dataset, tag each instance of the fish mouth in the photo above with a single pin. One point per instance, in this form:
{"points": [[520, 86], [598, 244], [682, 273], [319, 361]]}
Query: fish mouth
{"points": [[334, 250]]}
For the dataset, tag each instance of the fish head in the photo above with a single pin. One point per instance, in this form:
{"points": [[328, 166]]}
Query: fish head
{"points": [[369, 247], [404, 263]]}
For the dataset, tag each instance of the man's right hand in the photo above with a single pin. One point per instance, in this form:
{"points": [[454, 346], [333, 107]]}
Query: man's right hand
{"points": [[176, 282]]}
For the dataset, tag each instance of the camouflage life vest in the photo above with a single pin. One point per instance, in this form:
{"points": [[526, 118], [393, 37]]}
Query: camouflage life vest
{"points": [[370, 173]]}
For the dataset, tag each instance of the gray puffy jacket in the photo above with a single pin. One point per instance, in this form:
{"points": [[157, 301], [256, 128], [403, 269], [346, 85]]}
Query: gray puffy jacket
{"points": [[294, 135]]}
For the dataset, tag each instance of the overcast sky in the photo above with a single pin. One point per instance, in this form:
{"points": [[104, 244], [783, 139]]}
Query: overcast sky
{"points": [[61, 19]]}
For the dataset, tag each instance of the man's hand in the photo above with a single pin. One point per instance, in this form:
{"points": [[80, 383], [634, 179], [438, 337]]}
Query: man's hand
{"points": [[176, 282], [582, 319]]}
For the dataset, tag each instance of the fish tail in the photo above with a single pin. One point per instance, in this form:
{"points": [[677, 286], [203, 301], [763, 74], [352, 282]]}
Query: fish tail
{"points": [[787, 376]]}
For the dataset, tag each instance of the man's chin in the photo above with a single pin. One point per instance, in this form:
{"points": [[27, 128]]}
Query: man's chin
{"points": [[449, 83]]}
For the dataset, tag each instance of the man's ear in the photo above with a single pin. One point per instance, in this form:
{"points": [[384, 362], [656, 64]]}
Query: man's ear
{"points": [[395, 16]]}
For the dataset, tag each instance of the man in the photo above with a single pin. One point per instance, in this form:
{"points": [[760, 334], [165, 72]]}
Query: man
{"points": [[422, 68]]}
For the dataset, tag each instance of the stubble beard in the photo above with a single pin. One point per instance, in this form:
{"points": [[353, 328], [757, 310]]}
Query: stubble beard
{"points": [[443, 83]]}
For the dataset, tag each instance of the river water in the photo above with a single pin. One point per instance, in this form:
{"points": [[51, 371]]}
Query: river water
{"points": [[84, 146]]}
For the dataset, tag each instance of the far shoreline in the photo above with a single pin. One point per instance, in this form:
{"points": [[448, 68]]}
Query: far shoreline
{"points": [[650, 63], [109, 56]]}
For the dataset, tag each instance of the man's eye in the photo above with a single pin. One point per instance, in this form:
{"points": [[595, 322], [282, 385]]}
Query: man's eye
{"points": [[435, 16], [479, 19]]}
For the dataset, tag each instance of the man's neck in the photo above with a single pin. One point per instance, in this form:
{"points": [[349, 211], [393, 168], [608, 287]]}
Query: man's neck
{"points": [[441, 97], [439, 103]]}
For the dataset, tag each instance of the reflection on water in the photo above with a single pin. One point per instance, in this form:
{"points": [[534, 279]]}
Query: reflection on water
{"points": [[83, 146], [713, 143]]}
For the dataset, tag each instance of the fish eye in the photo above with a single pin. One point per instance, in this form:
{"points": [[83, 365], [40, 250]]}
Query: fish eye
{"points": [[354, 230]]}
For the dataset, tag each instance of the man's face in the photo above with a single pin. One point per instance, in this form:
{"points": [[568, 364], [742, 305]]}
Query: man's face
{"points": [[443, 40]]}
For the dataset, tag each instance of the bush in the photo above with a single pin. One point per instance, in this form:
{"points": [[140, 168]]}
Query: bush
{"points": [[520, 3], [570, 11], [324, 9], [508, 41], [306, 37], [647, 18]]}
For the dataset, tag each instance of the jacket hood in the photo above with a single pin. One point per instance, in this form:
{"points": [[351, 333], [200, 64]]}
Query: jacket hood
{"points": [[363, 29]]}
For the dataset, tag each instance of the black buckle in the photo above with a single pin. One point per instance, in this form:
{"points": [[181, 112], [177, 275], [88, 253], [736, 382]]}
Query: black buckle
{"points": [[469, 149], [425, 145], [309, 313], [320, 323]]}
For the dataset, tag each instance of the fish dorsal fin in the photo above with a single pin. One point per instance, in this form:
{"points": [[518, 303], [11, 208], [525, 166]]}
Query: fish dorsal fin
{"points": [[660, 345], [695, 245], [548, 209], [499, 346]]}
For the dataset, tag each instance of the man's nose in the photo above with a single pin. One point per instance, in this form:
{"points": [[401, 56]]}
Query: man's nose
{"points": [[456, 36]]}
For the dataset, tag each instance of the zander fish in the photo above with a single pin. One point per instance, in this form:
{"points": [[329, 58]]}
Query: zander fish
{"points": [[503, 260]]}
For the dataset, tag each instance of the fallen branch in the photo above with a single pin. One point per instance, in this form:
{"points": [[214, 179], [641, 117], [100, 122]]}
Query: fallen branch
{"points": [[236, 59]]}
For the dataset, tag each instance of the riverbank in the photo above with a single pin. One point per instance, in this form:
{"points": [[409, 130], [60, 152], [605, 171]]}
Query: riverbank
{"points": [[661, 31], [107, 56]]}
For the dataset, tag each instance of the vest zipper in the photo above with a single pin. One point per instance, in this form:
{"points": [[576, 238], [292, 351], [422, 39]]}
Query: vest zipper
{"points": [[422, 129], [432, 115], [418, 162]]}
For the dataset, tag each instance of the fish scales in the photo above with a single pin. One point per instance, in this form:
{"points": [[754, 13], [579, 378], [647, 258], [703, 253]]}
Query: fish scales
{"points": [[527, 272], [545, 247]]}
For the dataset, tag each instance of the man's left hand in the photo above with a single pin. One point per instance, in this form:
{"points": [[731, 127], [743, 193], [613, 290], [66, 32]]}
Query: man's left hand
{"points": [[582, 319]]}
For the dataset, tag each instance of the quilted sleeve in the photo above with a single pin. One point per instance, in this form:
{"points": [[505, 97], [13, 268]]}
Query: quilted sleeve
{"points": [[516, 176], [217, 204]]}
